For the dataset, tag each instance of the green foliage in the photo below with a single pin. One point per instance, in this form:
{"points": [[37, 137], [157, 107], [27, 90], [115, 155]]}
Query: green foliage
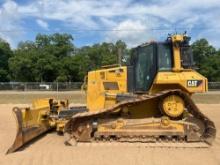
{"points": [[42, 60], [54, 58], [207, 59], [5, 54]]}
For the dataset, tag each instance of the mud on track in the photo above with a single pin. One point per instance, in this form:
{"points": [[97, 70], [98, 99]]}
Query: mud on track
{"points": [[49, 149]]}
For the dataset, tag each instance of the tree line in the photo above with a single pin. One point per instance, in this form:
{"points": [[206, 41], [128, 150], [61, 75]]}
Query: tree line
{"points": [[54, 57]]}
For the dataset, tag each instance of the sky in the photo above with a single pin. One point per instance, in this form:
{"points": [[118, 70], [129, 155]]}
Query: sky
{"points": [[95, 21]]}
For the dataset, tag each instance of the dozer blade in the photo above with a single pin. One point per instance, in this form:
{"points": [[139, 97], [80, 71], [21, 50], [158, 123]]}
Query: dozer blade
{"points": [[30, 124]]}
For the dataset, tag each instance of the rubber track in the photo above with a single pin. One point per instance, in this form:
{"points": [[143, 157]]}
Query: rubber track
{"points": [[208, 135], [161, 144]]}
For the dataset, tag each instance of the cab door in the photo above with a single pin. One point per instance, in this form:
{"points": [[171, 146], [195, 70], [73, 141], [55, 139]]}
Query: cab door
{"points": [[145, 67]]}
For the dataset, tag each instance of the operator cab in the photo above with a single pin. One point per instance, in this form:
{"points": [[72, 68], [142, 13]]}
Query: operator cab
{"points": [[150, 58]]}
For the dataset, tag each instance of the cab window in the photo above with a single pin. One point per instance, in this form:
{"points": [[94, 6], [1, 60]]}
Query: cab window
{"points": [[164, 57]]}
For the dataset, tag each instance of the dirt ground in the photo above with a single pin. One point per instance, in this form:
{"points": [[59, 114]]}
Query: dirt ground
{"points": [[50, 149]]}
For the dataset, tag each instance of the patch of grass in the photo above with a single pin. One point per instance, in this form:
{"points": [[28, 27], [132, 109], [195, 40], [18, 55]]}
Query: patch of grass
{"points": [[27, 97], [19, 97], [207, 98]]}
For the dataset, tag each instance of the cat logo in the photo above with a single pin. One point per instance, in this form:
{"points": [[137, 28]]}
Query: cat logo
{"points": [[194, 83]]}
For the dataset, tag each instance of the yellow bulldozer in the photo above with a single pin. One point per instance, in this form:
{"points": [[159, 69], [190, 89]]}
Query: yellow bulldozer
{"points": [[148, 101]]}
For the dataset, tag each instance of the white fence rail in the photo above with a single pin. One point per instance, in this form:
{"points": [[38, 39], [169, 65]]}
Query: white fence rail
{"points": [[214, 85], [39, 86]]}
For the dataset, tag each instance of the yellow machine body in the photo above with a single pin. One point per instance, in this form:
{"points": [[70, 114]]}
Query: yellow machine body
{"points": [[105, 84], [152, 113]]}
